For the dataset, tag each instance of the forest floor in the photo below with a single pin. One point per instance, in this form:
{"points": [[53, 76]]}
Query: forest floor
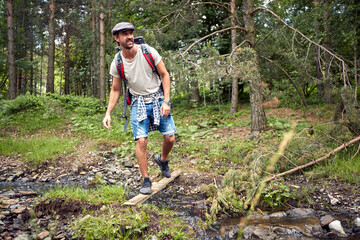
{"points": [[312, 189]]}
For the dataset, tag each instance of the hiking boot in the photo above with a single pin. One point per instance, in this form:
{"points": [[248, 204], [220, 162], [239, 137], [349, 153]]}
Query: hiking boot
{"points": [[146, 186], [165, 170]]}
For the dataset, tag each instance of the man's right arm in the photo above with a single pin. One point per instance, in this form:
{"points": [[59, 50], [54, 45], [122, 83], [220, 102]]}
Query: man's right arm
{"points": [[113, 99]]}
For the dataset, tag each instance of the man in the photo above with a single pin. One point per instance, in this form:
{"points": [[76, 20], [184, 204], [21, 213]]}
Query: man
{"points": [[150, 104]]}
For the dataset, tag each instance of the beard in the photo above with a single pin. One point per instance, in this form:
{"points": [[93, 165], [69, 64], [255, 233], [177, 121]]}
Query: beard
{"points": [[128, 45]]}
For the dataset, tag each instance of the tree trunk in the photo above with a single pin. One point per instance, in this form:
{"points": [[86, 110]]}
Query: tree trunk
{"points": [[67, 58], [94, 76], [195, 94], [235, 84], [18, 81], [11, 51], [50, 74], [32, 71], [102, 58], [319, 75], [356, 3], [258, 118], [328, 85]]}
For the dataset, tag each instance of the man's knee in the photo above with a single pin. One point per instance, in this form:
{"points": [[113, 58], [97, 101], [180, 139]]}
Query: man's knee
{"points": [[142, 142], [169, 139]]}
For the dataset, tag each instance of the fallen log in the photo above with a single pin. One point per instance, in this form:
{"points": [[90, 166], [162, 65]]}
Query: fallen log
{"points": [[341, 147]]}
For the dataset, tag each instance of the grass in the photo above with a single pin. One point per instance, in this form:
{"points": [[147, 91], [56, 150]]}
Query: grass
{"points": [[345, 167], [39, 148], [95, 196]]}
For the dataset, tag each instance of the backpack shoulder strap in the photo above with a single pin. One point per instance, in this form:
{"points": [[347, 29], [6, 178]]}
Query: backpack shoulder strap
{"points": [[120, 65], [149, 58], [120, 68]]}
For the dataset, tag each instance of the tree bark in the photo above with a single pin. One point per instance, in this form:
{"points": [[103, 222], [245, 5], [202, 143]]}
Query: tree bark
{"points": [[50, 74], [235, 84], [95, 82], [258, 118], [67, 58], [356, 3], [102, 57], [11, 51], [32, 70]]}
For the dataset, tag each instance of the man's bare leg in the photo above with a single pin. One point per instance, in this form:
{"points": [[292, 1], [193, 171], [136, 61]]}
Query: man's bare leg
{"points": [[141, 156], [168, 143]]}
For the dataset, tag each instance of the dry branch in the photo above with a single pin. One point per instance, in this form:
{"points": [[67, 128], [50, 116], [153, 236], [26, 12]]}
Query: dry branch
{"points": [[209, 35], [341, 147], [344, 75]]}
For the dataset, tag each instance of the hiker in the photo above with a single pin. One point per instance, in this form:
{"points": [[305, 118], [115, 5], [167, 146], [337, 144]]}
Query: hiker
{"points": [[150, 102]]}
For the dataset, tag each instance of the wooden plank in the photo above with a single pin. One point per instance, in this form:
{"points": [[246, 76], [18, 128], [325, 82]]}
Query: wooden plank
{"points": [[156, 187]]}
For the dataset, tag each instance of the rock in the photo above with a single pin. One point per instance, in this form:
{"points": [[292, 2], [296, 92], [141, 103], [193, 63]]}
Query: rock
{"points": [[333, 200], [19, 210], [278, 215], [129, 164], [357, 222], [335, 226], [300, 212], [18, 173], [82, 173], [233, 232], [326, 220], [2, 216], [10, 179], [43, 234], [255, 232], [22, 237], [60, 236], [27, 193], [2, 223], [10, 201], [154, 237], [356, 230]]}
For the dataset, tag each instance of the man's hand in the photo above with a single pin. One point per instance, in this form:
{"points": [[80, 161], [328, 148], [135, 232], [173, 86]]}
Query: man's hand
{"points": [[106, 121], [164, 110]]}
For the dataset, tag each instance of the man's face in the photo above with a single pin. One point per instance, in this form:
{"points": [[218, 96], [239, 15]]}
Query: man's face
{"points": [[125, 38]]}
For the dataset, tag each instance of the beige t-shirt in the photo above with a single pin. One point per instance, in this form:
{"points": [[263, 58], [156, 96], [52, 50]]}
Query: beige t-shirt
{"points": [[138, 73]]}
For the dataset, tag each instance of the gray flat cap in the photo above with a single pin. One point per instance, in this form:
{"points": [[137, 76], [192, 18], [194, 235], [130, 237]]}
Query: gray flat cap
{"points": [[123, 26]]}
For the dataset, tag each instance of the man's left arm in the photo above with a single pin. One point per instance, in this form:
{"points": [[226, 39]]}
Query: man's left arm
{"points": [[165, 77]]}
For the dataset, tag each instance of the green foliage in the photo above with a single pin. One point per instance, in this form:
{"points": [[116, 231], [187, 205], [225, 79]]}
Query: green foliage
{"points": [[276, 194], [278, 123], [21, 103], [126, 225]]}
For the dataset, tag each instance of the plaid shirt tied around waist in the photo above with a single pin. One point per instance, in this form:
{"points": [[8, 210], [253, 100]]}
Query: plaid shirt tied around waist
{"points": [[141, 109]]}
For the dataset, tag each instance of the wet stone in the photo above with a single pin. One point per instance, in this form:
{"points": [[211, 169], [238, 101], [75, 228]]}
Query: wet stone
{"points": [[326, 220], [335, 226], [300, 212], [278, 215], [255, 232], [357, 222]]}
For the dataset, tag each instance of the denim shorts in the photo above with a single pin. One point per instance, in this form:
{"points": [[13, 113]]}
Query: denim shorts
{"points": [[141, 129]]}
